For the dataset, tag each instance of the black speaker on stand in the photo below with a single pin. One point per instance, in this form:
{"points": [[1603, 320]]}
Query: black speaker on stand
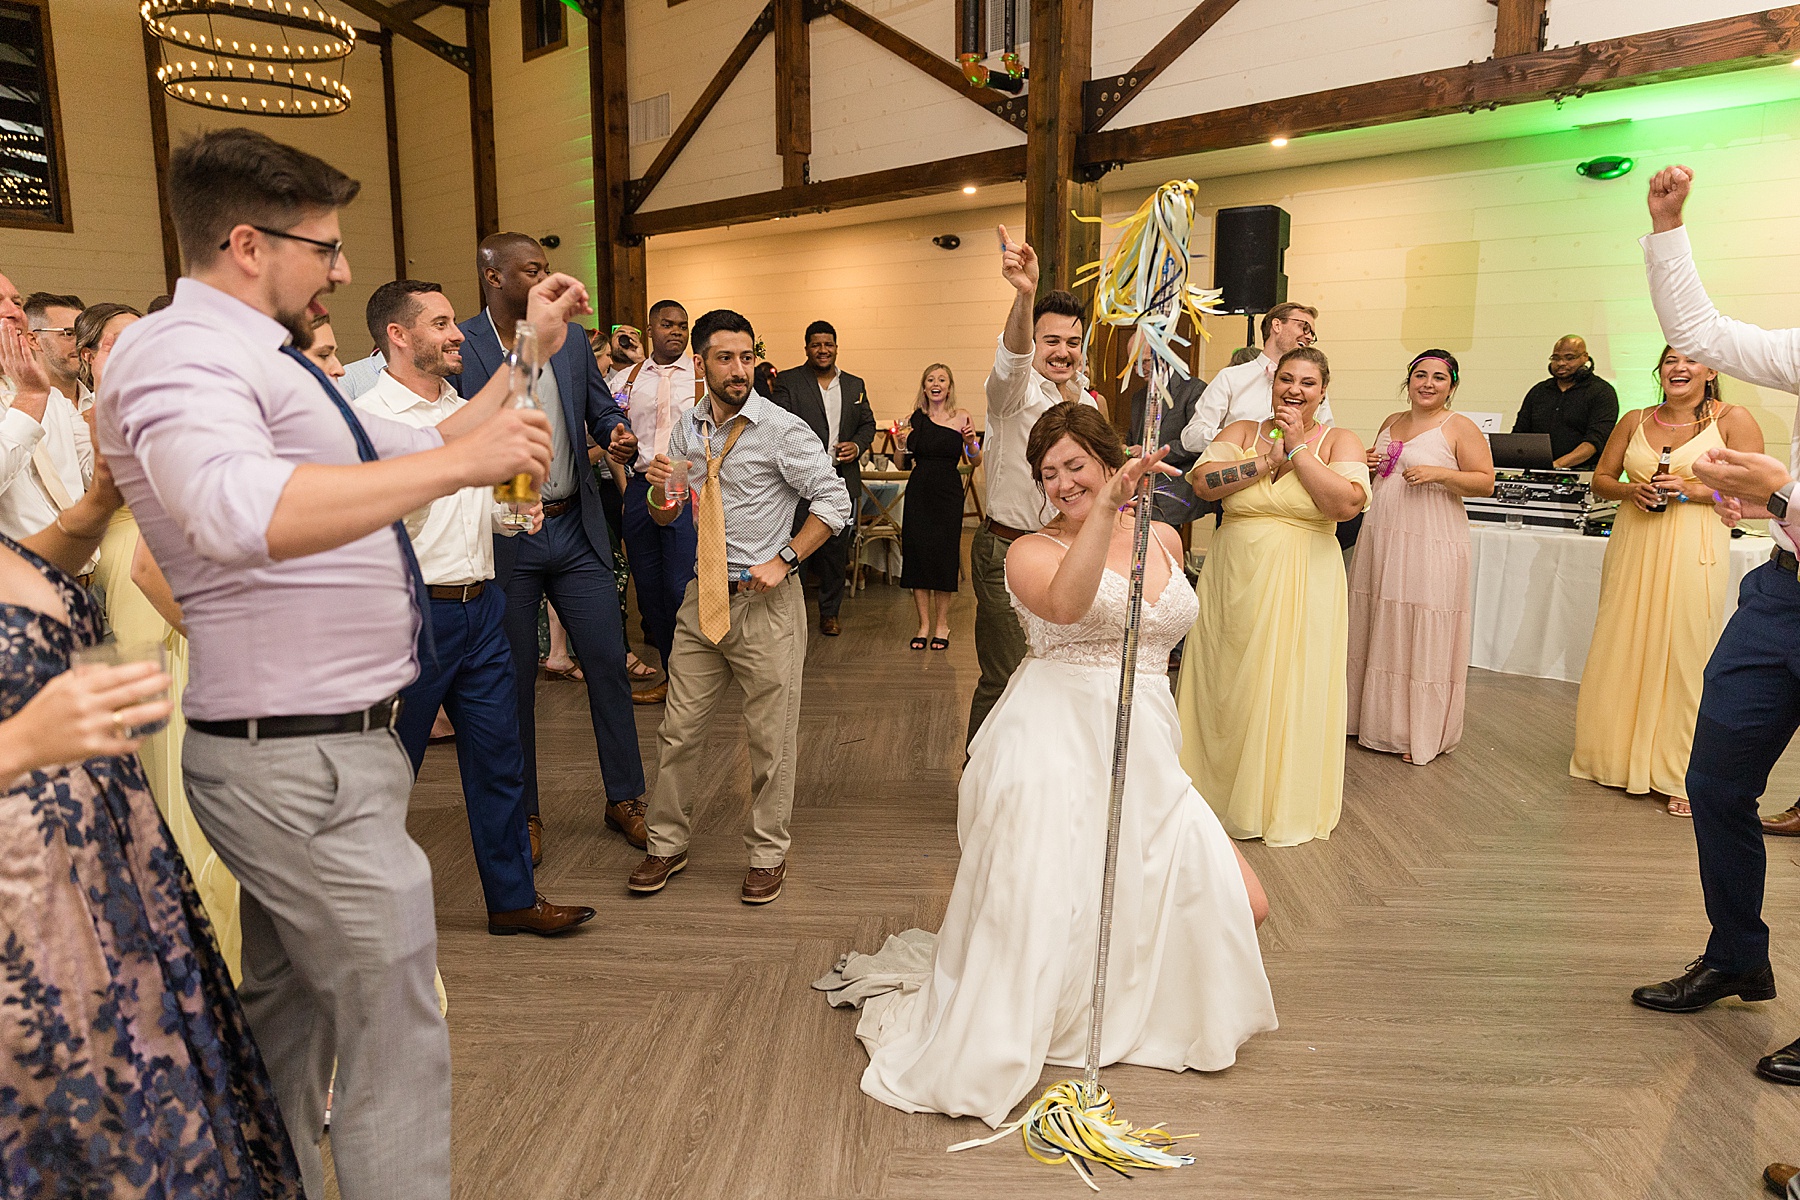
{"points": [[1249, 251]]}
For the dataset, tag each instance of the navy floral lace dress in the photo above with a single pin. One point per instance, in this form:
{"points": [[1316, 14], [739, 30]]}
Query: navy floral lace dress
{"points": [[128, 1071]]}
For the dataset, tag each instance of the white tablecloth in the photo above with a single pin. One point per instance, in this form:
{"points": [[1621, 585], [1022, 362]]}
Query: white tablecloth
{"points": [[1536, 596]]}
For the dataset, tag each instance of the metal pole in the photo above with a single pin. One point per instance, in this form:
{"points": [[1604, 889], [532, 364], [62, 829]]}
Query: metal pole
{"points": [[1169, 297]]}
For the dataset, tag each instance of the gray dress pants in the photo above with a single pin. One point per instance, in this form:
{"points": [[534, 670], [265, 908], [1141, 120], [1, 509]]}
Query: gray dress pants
{"points": [[340, 949]]}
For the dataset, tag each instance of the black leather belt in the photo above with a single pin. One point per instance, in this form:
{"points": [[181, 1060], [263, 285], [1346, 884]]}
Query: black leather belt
{"points": [[1785, 562], [377, 716], [461, 592], [556, 508]]}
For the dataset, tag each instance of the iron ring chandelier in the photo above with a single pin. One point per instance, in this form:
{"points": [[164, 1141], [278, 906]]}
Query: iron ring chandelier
{"points": [[277, 58]]}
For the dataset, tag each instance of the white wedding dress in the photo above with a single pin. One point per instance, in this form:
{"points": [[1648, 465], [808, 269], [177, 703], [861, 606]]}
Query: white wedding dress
{"points": [[964, 1023]]}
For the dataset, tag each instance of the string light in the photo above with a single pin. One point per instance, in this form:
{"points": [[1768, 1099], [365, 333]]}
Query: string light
{"points": [[258, 34]]}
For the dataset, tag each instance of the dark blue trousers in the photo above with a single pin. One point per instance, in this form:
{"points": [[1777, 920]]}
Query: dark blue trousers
{"points": [[1748, 712], [471, 678], [559, 561], [662, 562]]}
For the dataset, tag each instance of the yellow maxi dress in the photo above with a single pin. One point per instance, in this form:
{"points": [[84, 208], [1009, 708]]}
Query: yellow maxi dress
{"points": [[133, 620], [1662, 604], [1262, 689]]}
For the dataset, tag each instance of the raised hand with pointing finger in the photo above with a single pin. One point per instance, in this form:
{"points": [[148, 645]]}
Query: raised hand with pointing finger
{"points": [[1018, 264]]}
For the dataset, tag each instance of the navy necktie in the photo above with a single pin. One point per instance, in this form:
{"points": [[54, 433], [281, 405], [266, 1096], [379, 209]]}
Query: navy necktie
{"points": [[365, 450]]}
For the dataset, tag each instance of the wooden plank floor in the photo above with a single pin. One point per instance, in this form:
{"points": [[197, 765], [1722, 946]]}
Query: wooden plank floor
{"points": [[1451, 973]]}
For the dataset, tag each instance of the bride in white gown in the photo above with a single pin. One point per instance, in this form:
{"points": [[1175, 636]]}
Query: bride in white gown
{"points": [[964, 1023]]}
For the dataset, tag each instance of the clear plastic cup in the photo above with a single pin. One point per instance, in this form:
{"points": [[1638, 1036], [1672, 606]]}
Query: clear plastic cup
{"points": [[116, 654], [677, 488]]}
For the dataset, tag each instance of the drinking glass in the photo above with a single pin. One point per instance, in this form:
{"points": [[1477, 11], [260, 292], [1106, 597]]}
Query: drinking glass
{"points": [[676, 490], [116, 654], [1515, 520]]}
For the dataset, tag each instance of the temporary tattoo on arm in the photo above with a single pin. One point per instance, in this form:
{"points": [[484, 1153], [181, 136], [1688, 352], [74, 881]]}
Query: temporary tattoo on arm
{"points": [[1213, 480], [1249, 469], [1229, 474]]}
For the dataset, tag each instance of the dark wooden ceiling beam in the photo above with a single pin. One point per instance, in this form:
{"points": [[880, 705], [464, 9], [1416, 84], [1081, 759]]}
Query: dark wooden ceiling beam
{"points": [[1008, 108], [1055, 187], [1519, 26], [412, 10], [1707, 48], [391, 19], [1103, 98], [793, 91], [926, 179], [639, 189]]}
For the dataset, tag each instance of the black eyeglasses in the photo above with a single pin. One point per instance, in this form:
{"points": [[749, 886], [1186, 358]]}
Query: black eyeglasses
{"points": [[336, 248]]}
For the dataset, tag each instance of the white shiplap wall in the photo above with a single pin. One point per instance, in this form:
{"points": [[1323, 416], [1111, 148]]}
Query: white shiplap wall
{"points": [[1491, 250]]}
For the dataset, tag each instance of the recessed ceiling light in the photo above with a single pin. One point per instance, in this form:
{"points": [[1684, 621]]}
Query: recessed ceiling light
{"points": [[969, 191], [1278, 143]]}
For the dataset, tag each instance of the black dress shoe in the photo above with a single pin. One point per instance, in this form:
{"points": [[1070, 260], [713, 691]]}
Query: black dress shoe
{"points": [[1702, 985], [1783, 1066]]}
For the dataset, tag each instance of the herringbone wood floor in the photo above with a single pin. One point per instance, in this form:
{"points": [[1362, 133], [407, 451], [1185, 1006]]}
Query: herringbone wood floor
{"points": [[1450, 969]]}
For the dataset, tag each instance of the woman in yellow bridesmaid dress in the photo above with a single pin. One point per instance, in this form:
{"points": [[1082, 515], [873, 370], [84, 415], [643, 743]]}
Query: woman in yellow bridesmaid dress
{"points": [[1662, 587], [140, 608], [1262, 689]]}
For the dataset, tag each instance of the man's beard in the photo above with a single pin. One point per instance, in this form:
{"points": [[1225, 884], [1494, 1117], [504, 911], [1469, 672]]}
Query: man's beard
{"points": [[433, 360], [299, 326]]}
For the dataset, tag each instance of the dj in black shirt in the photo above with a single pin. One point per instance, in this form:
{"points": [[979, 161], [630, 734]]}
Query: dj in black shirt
{"points": [[1576, 407]]}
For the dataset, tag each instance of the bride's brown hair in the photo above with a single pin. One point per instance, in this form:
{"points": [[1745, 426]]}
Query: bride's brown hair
{"points": [[1081, 424]]}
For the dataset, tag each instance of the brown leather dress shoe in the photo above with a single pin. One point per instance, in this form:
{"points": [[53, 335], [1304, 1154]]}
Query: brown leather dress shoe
{"points": [[543, 918], [1776, 1176], [763, 884], [1783, 824], [534, 825], [654, 872], [655, 695], [830, 628], [627, 816]]}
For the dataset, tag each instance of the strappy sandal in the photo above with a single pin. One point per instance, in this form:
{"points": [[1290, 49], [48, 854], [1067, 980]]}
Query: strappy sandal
{"points": [[917, 643], [1684, 811], [940, 643], [638, 669], [570, 674]]}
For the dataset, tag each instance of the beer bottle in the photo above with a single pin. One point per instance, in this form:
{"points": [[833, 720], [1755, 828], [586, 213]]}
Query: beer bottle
{"points": [[522, 360], [1662, 468]]}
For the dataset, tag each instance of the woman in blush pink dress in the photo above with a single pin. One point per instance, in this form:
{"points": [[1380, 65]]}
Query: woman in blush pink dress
{"points": [[1409, 577]]}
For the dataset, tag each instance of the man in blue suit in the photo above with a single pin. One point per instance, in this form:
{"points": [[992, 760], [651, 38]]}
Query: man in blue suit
{"points": [[570, 558]]}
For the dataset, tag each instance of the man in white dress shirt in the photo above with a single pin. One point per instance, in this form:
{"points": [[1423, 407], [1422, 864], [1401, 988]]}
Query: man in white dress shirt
{"points": [[45, 452], [656, 393], [52, 319], [1246, 392], [466, 667], [1750, 707], [1036, 365]]}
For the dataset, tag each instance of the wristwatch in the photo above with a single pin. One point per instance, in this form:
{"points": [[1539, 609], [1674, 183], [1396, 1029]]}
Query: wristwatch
{"points": [[1778, 503], [786, 554]]}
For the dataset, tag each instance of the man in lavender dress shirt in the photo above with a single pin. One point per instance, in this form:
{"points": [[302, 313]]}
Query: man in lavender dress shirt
{"points": [[1750, 707], [254, 487]]}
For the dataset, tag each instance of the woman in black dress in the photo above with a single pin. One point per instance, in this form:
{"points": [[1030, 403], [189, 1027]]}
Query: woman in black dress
{"points": [[937, 439]]}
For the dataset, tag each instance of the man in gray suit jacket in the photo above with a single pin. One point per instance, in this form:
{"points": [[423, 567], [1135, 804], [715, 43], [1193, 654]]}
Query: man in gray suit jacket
{"points": [[836, 405]]}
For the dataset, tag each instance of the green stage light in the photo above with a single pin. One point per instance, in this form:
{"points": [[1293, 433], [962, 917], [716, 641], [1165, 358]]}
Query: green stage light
{"points": [[1611, 167]]}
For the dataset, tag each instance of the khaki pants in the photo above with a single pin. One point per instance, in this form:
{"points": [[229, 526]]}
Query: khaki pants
{"points": [[999, 638], [766, 653]]}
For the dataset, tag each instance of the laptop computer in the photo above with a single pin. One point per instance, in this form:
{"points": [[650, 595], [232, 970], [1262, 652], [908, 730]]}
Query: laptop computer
{"points": [[1522, 451]]}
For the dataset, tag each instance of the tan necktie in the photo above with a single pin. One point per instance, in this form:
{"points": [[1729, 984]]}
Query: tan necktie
{"points": [[47, 475], [709, 525]]}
